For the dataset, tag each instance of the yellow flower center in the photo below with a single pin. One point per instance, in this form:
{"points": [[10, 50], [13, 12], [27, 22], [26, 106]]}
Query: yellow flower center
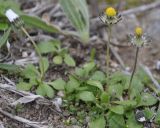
{"points": [[138, 31], [110, 12]]}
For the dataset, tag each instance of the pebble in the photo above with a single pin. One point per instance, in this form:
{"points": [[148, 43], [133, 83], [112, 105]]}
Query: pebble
{"points": [[158, 65], [24, 54]]}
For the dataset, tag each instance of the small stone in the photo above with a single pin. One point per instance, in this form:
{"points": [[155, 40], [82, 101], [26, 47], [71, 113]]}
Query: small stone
{"points": [[60, 93], [28, 44], [37, 106], [127, 69], [114, 64], [24, 54], [158, 65]]}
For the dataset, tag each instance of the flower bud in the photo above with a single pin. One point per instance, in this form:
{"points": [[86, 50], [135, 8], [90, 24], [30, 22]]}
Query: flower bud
{"points": [[11, 15]]}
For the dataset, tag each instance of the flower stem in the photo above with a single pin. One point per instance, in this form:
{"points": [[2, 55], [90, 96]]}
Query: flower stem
{"points": [[37, 50], [108, 53], [134, 69]]}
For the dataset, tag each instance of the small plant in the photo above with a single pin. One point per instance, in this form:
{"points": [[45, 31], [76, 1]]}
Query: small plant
{"points": [[138, 40], [60, 54], [77, 13], [85, 83], [34, 77], [85, 89], [15, 20], [31, 81], [109, 17]]}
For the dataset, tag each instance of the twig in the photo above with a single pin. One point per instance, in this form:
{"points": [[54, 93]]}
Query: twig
{"points": [[1, 125], [13, 89], [25, 61], [149, 73], [41, 100], [23, 120], [142, 8]]}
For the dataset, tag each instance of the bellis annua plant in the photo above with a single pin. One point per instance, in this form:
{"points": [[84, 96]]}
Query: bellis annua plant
{"points": [[138, 39], [110, 17], [16, 21]]}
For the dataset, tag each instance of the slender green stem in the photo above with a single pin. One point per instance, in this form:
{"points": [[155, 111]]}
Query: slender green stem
{"points": [[37, 50], [108, 53], [92, 55], [134, 69]]}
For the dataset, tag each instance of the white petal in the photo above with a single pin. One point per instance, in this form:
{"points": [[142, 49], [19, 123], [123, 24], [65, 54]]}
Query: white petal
{"points": [[11, 15]]}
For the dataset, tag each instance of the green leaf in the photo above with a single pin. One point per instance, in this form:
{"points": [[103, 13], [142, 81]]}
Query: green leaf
{"points": [[47, 47], [57, 60], [105, 97], [44, 65], [23, 86], [48, 90], [89, 66], [45, 90], [126, 102], [69, 60], [136, 87], [80, 72], [77, 13], [30, 72], [58, 84], [131, 121], [86, 96], [72, 85], [117, 109], [3, 26], [40, 90], [141, 74], [4, 38], [157, 118], [9, 4], [149, 113], [115, 120], [98, 76], [96, 84], [116, 90], [98, 123], [11, 68], [147, 100], [38, 23]]}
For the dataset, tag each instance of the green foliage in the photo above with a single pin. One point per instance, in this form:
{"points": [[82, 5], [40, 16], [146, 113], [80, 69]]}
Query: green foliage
{"points": [[11, 68], [5, 4], [4, 38], [58, 84], [24, 86], [69, 60], [32, 75], [147, 100], [87, 85], [118, 109], [38, 23], [77, 13], [131, 122], [98, 123], [60, 54], [86, 96], [115, 120]]}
